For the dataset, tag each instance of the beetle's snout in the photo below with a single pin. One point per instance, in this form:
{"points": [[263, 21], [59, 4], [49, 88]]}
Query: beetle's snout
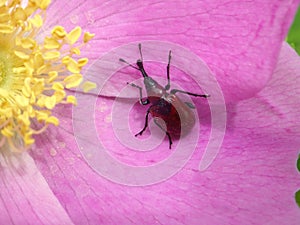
{"points": [[140, 65]]}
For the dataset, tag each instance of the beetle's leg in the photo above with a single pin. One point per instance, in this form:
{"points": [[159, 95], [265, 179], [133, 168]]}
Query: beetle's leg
{"points": [[146, 123], [167, 133], [190, 105], [124, 61], [140, 50], [173, 91], [143, 102], [167, 87]]}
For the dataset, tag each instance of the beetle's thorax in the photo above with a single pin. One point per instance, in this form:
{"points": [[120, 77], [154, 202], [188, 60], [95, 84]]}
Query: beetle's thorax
{"points": [[153, 88]]}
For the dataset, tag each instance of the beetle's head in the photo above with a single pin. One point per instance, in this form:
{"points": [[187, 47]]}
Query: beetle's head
{"points": [[140, 64]]}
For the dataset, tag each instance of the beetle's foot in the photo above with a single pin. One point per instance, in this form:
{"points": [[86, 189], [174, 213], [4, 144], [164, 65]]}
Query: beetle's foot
{"points": [[139, 133], [144, 102]]}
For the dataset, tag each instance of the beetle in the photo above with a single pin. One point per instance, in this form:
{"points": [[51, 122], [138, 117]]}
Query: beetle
{"points": [[169, 112]]}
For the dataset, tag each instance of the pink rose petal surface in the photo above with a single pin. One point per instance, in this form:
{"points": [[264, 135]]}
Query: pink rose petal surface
{"points": [[25, 195], [238, 40], [252, 181]]}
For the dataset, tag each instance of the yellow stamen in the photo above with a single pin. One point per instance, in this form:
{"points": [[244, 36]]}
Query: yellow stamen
{"points": [[36, 21], [71, 99], [34, 73], [87, 37], [74, 35], [59, 32], [87, 86], [73, 80]]}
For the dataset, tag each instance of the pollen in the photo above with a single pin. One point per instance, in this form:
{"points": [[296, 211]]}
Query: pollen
{"points": [[35, 72]]}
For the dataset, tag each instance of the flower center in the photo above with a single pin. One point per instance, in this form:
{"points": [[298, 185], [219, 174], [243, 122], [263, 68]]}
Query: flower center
{"points": [[33, 74], [5, 67], [3, 71]]}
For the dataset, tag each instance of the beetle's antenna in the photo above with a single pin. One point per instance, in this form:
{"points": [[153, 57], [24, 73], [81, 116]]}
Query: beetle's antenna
{"points": [[140, 49], [124, 61]]}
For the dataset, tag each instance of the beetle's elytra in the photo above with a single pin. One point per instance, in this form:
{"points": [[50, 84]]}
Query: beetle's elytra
{"points": [[165, 104]]}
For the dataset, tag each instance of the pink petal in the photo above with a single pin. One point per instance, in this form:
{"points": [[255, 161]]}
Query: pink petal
{"points": [[25, 195], [252, 181], [238, 40]]}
